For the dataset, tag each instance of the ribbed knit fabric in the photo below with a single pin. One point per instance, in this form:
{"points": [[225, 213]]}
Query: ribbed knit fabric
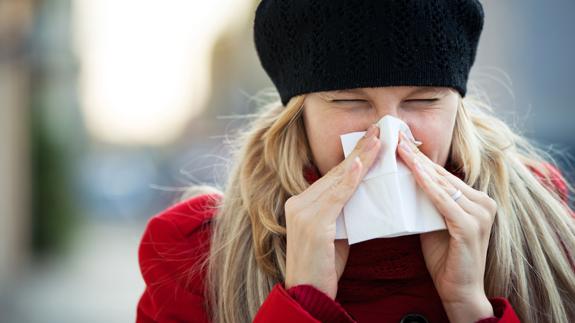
{"points": [[316, 45], [318, 304]]}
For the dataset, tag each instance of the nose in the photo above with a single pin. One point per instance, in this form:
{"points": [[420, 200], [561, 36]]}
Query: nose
{"points": [[386, 111], [384, 107]]}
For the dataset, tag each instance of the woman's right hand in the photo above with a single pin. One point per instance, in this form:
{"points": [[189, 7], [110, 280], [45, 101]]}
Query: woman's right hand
{"points": [[313, 256]]}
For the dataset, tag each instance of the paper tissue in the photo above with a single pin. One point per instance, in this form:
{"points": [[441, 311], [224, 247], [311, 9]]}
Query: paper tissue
{"points": [[388, 202]]}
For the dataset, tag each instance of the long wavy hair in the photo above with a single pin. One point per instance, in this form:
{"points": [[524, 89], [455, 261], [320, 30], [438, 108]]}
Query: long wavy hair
{"points": [[530, 257]]}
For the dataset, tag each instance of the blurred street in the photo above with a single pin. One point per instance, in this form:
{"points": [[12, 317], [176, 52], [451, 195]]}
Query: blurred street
{"points": [[98, 281]]}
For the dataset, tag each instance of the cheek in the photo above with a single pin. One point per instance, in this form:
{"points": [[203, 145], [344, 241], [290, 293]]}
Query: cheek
{"points": [[435, 136], [325, 143]]}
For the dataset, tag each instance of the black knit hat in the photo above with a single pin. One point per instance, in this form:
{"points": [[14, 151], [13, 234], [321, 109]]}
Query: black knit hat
{"points": [[320, 45]]}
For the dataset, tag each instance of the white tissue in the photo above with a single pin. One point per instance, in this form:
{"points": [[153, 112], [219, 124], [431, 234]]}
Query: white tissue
{"points": [[388, 202]]}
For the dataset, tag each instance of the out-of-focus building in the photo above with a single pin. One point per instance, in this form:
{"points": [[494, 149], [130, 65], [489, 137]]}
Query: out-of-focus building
{"points": [[15, 197]]}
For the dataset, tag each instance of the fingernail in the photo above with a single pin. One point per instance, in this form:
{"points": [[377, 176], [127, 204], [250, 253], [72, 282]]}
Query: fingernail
{"points": [[411, 139]]}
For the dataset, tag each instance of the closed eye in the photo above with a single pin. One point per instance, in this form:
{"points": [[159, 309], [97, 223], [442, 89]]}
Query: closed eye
{"points": [[423, 100], [412, 100], [355, 100]]}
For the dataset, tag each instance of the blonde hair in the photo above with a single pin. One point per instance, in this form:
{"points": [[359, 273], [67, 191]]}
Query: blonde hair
{"points": [[528, 260]]}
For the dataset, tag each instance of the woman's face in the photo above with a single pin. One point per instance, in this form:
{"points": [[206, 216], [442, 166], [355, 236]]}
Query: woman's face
{"points": [[428, 111]]}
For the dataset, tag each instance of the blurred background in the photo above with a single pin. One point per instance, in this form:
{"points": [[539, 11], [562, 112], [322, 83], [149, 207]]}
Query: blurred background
{"points": [[109, 108]]}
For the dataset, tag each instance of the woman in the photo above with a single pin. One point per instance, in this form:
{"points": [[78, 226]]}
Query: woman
{"points": [[265, 248]]}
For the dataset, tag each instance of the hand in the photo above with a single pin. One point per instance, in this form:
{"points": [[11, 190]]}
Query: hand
{"points": [[312, 254], [454, 257]]}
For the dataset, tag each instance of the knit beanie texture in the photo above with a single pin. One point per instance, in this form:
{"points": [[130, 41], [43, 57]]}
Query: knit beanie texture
{"points": [[321, 45]]}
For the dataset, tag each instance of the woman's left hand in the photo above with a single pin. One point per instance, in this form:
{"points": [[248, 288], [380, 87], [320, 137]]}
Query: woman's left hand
{"points": [[454, 257]]}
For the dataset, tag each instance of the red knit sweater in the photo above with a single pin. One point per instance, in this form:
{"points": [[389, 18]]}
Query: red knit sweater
{"points": [[385, 280]]}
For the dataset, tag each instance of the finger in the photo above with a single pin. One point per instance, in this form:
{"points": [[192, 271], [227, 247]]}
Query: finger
{"points": [[479, 209], [440, 190], [366, 150], [471, 193], [482, 214], [464, 202], [433, 186], [367, 154], [452, 212], [480, 199]]}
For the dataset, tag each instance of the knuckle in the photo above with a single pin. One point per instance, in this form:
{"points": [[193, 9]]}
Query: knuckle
{"points": [[338, 169], [484, 217], [440, 170], [483, 196], [290, 204], [339, 191], [336, 194], [443, 198], [492, 205], [347, 183], [444, 183], [484, 221], [362, 142], [488, 202]]}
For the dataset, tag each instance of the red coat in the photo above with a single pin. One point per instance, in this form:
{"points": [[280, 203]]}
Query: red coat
{"points": [[175, 240]]}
